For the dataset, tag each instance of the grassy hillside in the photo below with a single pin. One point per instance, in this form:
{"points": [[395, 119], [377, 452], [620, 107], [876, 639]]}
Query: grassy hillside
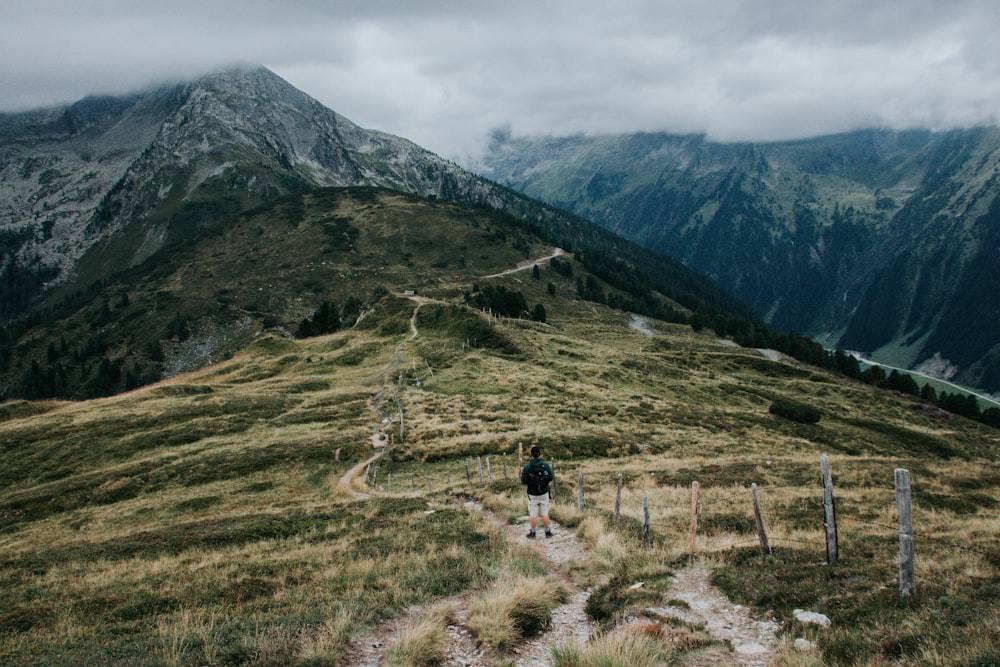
{"points": [[213, 290], [203, 520], [223, 278]]}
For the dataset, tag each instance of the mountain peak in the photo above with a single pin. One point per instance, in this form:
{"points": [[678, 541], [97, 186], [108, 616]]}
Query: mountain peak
{"points": [[80, 175]]}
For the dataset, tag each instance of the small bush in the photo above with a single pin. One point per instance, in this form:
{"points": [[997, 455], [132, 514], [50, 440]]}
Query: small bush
{"points": [[797, 412]]}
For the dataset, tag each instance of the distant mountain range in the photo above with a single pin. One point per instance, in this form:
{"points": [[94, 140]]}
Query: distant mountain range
{"points": [[149, 234], [887, 243]]}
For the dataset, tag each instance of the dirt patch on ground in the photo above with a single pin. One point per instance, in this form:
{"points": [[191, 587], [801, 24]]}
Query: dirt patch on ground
{"points": [[753, 641]]}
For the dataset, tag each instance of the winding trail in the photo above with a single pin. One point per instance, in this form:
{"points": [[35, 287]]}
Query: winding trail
{"points": [[527, 264], [754, 642], [346, 481]]}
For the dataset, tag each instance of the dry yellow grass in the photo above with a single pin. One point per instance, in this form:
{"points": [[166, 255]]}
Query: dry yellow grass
{"points": [[216, 493], [620, 648], [514, 609], [424, 642]]}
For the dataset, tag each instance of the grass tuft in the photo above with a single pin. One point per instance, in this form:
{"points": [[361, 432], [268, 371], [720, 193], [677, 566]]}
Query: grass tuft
{"points": [[620, 648], [329, 644], [424, 642], [516, 609]]}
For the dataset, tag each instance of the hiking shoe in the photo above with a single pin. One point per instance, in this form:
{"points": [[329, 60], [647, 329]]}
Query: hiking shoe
{"points": [[548, 533], [531, 535]]}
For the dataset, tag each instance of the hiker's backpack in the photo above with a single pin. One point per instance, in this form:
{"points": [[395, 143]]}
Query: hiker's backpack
{"points": [[538, 478]]}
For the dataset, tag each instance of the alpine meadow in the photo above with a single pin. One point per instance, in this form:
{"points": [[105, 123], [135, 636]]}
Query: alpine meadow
{"points": [[268, 379]]}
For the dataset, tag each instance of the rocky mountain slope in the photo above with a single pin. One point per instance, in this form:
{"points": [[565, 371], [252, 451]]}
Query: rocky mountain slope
{"points": [[143, 170], [149, 234], [882, 242]]}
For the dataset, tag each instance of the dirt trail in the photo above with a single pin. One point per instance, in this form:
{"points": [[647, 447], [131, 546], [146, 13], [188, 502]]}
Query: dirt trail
{"points": [[346, 481], [527, 264], [570, 620], [754, 641]]}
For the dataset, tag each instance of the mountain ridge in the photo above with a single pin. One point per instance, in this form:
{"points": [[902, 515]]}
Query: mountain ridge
{"points": [[104, 195], [117, 156], [862, 240]]}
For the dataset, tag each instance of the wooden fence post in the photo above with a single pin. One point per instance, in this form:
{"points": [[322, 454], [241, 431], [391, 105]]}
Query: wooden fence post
{"points": [[645, 523], [489, 471], [520, 457], [479, 464], [389, 482], [694, 516], [907, 584], [761, 533], [579, 492], [618, 499], [830, 513], [468, 476], [413, 482], [505, 465], [399, 404]]}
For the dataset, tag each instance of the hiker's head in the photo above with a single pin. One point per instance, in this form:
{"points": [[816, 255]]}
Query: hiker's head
{"points": [[535, 451]]}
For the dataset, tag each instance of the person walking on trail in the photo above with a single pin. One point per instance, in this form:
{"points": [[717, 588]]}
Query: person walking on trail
{"points": [[537, 475]]}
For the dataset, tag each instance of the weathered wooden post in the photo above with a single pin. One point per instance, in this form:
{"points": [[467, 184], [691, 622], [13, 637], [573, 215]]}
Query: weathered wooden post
{"points": [[389, 483], [449, 478], [907, 584], [505, 466], [489, 472], [468, 476], [520, 457], [694, 516], [399, 405], [830, 513], [761, 533], [618, 499], [479, 464], [413, 482], [645, 523], [579, 492]]}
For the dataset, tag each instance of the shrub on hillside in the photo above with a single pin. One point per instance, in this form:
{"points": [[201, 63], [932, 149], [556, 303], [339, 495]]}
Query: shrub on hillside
{"points": [[797, 412]]}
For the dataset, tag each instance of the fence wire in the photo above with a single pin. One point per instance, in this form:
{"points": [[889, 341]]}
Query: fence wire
{"points": [[674, 518]]}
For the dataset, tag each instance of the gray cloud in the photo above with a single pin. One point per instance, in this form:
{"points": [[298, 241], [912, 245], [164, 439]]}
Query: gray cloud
{"points": [[445, 73]]}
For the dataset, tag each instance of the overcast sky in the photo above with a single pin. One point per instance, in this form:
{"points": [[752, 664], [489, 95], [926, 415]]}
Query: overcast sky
{"points": [[445, 73]]}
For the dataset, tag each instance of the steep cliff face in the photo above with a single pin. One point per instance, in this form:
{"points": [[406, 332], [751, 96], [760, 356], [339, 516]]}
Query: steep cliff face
{"points": [[867, 240]]}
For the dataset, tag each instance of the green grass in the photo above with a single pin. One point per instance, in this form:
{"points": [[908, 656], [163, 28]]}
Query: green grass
{"points": [[199, 521]]}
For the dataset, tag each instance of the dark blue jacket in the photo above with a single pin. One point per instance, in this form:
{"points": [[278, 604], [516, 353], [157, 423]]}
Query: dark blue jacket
{"points": [[535, 488]]}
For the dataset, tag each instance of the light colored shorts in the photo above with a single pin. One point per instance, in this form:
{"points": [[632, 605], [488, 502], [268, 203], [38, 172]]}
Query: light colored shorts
{"points": [[538, 505]]}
